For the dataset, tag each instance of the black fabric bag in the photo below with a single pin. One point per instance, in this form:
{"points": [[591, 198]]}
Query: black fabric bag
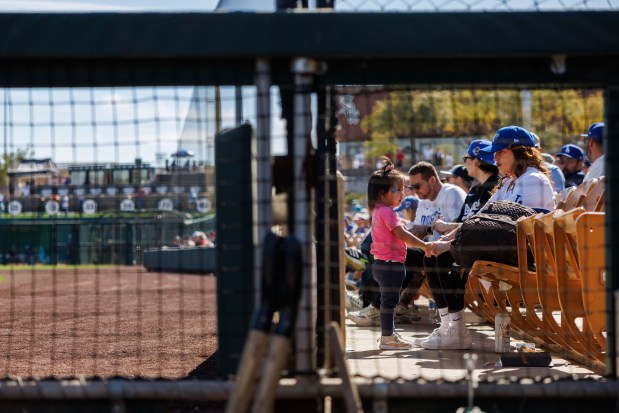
{"points": [[490, 235]]}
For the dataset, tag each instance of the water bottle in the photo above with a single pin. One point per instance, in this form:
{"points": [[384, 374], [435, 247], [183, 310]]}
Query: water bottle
{"points": [[433, 315], [501, 333]]}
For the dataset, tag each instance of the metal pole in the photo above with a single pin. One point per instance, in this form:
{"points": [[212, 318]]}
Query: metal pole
{"points": [[263, 219], [303, 70], [238, 100], [611, 150], [217, 110], [322, 235], [525, 96]]}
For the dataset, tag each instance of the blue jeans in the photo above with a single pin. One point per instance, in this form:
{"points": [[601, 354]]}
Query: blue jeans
{"points": [[389, 276]]}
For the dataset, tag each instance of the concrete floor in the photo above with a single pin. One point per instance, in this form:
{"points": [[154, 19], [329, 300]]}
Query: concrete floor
{"points": [[366, 360]]}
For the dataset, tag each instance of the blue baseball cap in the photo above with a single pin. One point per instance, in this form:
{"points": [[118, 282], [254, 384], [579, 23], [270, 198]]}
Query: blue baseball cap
{"points": [[596, 132], [509, 135], [571, 151], [478, 145], [409, 202]]}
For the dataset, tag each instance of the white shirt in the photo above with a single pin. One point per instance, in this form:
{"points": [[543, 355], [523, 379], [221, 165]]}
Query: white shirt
{"points": [[596, 169], [532, 189], [447, 205]]}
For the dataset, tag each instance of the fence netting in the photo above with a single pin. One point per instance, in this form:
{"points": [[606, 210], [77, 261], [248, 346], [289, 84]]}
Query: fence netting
{"points": [[115, 204], [549, 302], [465, 6]]}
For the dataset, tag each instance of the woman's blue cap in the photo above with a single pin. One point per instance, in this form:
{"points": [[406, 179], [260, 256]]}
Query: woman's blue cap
{"points": [[510, 135]]}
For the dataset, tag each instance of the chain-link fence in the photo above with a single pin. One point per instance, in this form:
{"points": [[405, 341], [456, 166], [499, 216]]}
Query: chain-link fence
{"points": [[179, 210]]}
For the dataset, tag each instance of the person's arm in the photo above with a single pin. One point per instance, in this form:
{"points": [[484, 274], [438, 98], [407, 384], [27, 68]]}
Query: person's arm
{"points": [[438, 247], [451, 234], [442, 226], [420, 231], [410, 239]]}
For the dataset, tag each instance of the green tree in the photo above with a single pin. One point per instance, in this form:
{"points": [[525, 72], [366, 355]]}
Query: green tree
{"points": [[557, 116], [7, 161]]}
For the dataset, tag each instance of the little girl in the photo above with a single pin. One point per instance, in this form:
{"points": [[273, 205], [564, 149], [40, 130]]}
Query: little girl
{"points": [[389, 240]]}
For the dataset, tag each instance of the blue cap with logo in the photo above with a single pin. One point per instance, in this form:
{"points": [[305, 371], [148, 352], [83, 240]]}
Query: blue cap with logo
{"points": [[476, 146], [509, 135], [409, 202], [571, 151], [596, 132]]}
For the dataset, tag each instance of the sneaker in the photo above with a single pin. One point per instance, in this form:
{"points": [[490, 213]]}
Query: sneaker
{"points": [[394, 342], [437, 331], [355, 259], [353, 301], [406, 314], [367, 317], [450, 339]]}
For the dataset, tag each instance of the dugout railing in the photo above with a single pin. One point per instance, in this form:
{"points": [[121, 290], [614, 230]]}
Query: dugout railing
{"points": [[307, 54]]}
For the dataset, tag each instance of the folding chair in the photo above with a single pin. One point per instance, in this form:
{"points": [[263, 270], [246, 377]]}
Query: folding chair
{"points": [[591, 249], [512, 277], [570, 284], [594, 199]]}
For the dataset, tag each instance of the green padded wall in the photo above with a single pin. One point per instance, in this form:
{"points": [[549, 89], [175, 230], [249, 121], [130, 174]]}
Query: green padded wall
{"points": [[235, 250]]}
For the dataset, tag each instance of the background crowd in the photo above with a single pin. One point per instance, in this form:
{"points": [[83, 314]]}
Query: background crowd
{"points": [[433, 204]]}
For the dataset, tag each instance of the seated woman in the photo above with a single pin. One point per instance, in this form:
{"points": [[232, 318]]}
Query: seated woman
{"points": [[525, 181]]}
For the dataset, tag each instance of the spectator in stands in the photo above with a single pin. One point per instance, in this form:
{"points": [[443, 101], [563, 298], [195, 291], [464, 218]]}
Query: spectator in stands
{"points": [[459, 177], [436, 200], [571, 159], [408, 209], [525, 181], [449, 160], [358, 161], [399, 158], [29, 255], [80, 204], [585, 167], [361, 221], [389, 245], [594, 146], [200, 239], [177, 242], [446, 284], [140, 199], [65, 205], [556, 175], [212, 236], [187, 242], [525, 177]]}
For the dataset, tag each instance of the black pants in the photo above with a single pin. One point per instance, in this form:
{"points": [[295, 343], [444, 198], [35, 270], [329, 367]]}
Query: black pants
{"points": [[445, 281], [370, 291]]}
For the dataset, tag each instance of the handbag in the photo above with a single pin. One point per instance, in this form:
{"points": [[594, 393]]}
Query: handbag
{"points": [[490, 235]]}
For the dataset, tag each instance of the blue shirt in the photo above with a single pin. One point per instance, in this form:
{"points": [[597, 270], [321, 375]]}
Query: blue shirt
{"points": [[556, 175]]}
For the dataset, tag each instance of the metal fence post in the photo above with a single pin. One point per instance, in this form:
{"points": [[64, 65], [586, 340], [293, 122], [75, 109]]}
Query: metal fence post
{"points": [[304, 70], [611, 150]]}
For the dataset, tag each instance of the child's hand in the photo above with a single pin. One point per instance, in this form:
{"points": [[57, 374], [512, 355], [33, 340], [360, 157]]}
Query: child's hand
{"points": [[438, 247], [429, 247]]}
